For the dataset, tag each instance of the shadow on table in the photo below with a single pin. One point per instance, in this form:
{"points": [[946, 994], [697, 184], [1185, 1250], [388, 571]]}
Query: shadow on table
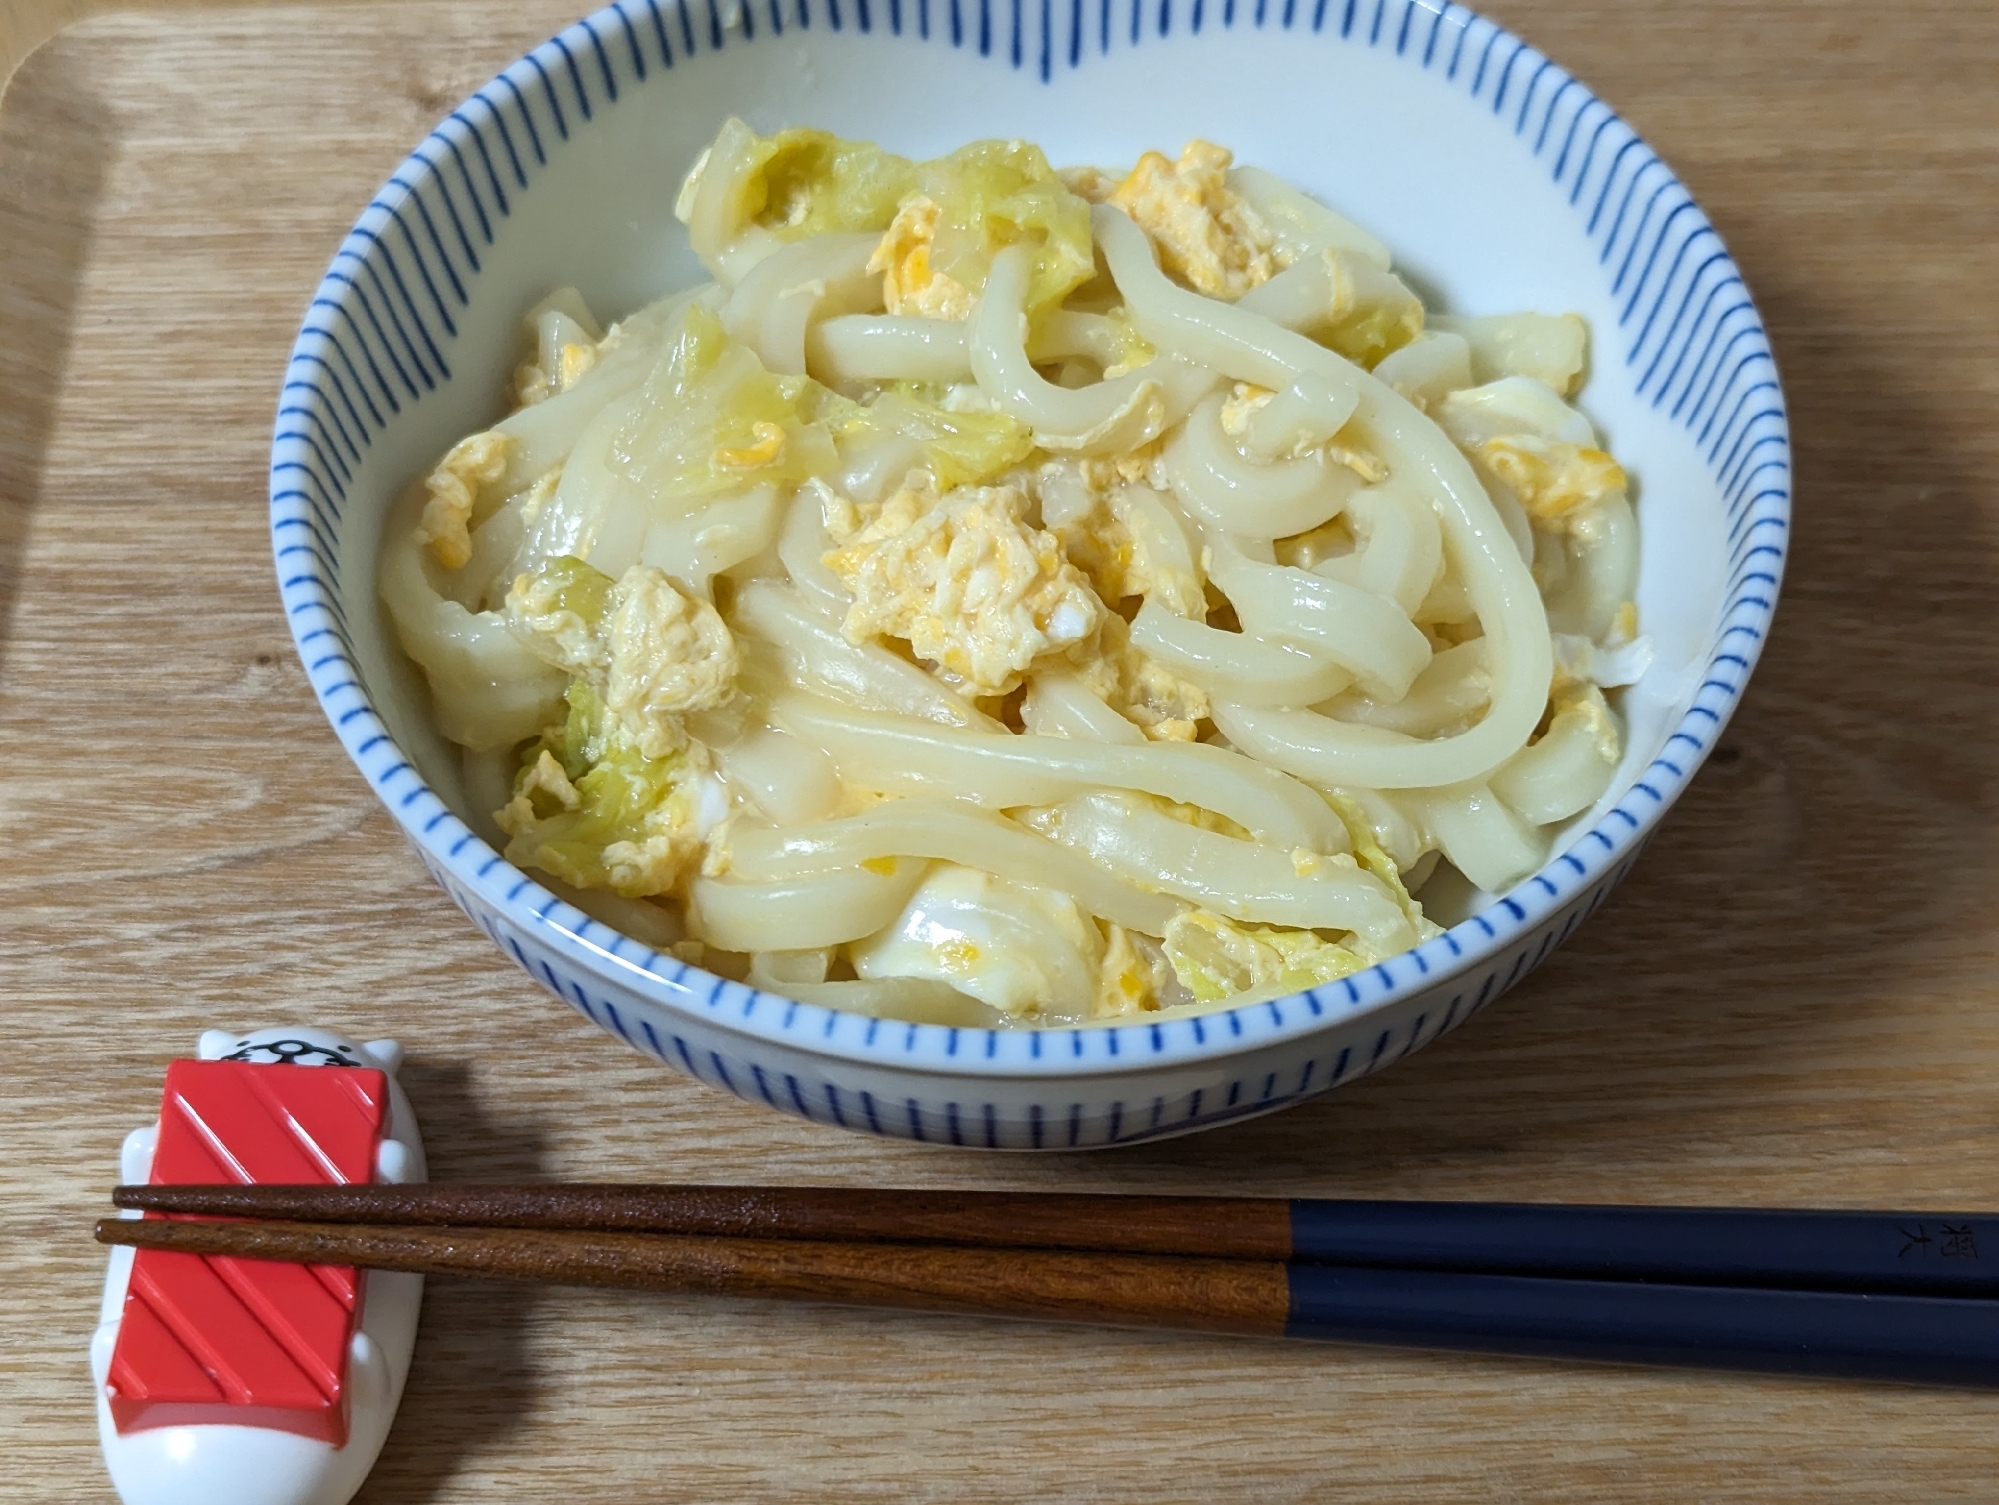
{"points": [[471, 1379], [1842, 833], [54, 152]]}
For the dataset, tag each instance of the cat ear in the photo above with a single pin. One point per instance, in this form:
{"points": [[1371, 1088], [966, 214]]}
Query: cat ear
{"points": [[214, 1045]]}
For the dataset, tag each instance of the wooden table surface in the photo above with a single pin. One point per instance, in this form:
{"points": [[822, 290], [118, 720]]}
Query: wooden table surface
{"points": [[1792, 1001]]}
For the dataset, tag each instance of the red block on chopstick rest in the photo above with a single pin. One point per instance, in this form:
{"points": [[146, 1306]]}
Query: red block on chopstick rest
{"points": [[241, 1341]]}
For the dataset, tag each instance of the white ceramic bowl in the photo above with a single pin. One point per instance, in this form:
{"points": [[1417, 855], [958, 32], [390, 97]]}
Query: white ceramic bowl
{"points": [[1500, 182]]}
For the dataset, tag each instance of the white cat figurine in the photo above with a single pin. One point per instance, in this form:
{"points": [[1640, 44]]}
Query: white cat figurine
{"points": [[214, 1464]]}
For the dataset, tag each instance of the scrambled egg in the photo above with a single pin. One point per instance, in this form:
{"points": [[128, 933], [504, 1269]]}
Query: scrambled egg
{"points": [[669, 655], [1216, 959], [1143, 465], [1090, 184], [1164, 706], [1120, 559], [653, 654], [1579, 703], [543, 775], [475, 461], [1205, 232], [910, 285], [1133, 977], [533, 384], [766, 447], [973, 586], [1623, 626], [1246, 400], [539, 495], [590, 807], [1133, 349], [1559, 482]]}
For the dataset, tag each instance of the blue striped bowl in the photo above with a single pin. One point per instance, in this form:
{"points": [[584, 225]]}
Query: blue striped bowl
{"points": [[1502, 183]]}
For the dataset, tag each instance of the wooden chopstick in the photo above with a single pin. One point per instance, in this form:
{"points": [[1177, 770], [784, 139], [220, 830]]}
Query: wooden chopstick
{"points": [[1239, 1296], [1234, 1228], [1932, 1253], [1909, 1338]]}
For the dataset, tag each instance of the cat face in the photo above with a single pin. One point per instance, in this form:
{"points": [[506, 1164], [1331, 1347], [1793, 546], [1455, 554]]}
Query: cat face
{"points": [[294, 1046]]}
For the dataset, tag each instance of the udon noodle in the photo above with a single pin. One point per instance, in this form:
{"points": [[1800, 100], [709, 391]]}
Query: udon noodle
{"points": [[1016, 596]]}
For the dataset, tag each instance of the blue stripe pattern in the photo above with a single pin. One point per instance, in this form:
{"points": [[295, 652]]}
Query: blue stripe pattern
{"points": [[376, 343]]}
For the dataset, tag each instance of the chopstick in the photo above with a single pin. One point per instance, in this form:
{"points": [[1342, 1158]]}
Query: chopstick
{"points": [[1922, 1339], [1944, 1254]]}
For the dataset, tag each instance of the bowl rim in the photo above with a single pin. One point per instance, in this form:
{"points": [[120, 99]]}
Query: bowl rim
{"points": [[455, 184]]}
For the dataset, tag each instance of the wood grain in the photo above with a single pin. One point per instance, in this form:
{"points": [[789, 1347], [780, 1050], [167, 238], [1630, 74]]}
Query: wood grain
{"points": [[1219, 1227], [1250, 1297], [1792, 1000]]}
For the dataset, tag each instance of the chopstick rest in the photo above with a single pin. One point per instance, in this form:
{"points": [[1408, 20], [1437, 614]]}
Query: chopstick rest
{"points": [[1921, 1339], [223, 1382]]}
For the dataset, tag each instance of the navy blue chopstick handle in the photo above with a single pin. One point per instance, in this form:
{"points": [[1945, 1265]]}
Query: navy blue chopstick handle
{"points": [[1935, 1253], [1913, 1339]]}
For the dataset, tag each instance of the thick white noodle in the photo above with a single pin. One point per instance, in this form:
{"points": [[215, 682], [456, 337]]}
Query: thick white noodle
{"points": [[1309, 294], [692, 547], [1332, 753], [1105, 418], [1268, 500], [1451, 692], [1483, 838], [901, 755], [958, 832], [1240, 665], [1306, 413], [1059, 704], [487, 689], [776, 303], [1245, 880], [802, 544], [854, 348], [482, 583], [816, 654], [1301, 225], [562, 318], [715, 213], [1429, 368], [1600, 573], [791, 781], [800, 912], [1565, 772], [741, 256], [1365, 633], [547, 431], [654, 924], [1399, 546], [1497, 578], [1065, 334], [914, 1000], [1393, 830], [817, 909], [1548, 347]]}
